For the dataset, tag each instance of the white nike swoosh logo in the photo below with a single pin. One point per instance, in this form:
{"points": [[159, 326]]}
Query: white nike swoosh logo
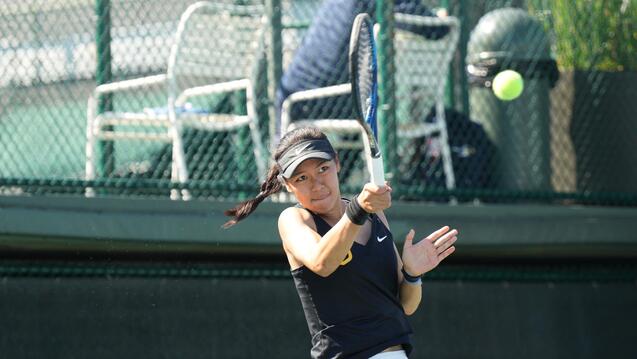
{"points": [[380, 239], [298, 151]]}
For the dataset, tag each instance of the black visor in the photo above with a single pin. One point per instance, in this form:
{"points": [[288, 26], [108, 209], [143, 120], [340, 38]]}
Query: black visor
{"points": [[302, 151]]}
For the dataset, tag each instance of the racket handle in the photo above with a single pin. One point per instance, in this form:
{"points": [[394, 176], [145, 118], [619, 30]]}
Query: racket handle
{"points": [[377, 171]]}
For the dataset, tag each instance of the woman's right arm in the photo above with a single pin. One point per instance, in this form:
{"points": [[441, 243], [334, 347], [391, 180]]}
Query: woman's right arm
{"points": [[323, 255]]}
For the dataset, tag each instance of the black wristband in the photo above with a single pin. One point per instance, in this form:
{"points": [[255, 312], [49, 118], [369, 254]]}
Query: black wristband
{"points": [[355, 212], [408, 277]]}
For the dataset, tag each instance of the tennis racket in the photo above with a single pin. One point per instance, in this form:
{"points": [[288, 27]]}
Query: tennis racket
{"points": [[362, 67]]}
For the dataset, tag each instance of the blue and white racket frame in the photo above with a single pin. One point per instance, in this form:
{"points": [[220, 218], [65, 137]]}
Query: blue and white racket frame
{"points": [[366, 113]]}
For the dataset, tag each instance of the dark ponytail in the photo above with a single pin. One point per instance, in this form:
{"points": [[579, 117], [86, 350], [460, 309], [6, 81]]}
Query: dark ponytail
{"points": [[272, 184]]}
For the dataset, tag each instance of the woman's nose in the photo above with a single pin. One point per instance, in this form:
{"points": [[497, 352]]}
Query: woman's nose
{"points": [[317, 184]]}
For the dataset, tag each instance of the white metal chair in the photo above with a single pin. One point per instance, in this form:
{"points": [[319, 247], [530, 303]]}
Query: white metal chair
{"points": [[422, 66], [216, 50]]}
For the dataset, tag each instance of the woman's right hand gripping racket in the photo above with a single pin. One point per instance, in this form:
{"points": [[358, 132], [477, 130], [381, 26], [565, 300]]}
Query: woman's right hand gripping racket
{"points": [[363, 66]]}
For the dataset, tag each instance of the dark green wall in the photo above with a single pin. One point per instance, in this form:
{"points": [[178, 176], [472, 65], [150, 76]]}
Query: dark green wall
{"points": [[123, 317], [125, 278], [71, 224]]}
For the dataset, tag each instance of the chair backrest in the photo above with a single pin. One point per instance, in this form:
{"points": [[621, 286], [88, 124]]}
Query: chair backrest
{"points": [[217, 43], [422, 64]]}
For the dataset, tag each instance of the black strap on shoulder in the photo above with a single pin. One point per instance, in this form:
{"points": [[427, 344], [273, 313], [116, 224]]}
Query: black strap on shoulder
{"points": [[321, 225]]}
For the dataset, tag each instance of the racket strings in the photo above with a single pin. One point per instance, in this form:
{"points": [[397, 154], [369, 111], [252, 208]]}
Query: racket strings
{"points": [[365, 69]]}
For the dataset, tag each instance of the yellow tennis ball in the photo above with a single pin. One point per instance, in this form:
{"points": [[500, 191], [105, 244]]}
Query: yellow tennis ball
{"points": [[507, 85]]}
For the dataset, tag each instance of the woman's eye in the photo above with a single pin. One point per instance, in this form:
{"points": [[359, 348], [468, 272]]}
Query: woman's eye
{"points": [[323, 169], [300, 179]]}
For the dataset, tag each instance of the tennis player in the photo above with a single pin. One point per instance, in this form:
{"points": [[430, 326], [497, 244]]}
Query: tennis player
{"points": [[355, 288]]}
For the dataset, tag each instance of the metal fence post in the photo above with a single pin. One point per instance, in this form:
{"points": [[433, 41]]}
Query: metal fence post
{"points": [[275, 60], [461, 79], [450, 99], [103, 74]]}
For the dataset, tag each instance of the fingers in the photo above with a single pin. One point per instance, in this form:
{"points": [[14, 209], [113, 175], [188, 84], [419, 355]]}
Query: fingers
{"points": [[409, 238], [440, 240], [427, 253], [374, 198], [435, 235], [376, 189], [446, 253], [445, 243]]}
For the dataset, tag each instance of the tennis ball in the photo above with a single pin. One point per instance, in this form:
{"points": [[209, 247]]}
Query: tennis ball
{"points": [[507, 85]]}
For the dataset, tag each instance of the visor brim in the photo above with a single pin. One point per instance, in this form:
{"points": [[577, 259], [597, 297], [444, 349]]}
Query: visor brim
{"points": [[289, 171]]}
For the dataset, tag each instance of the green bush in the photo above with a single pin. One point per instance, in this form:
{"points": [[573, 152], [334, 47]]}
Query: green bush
{"points": [[591, 34]]}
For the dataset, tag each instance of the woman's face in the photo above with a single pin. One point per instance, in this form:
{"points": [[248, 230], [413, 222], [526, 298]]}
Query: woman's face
{"points": [[315, 184]]}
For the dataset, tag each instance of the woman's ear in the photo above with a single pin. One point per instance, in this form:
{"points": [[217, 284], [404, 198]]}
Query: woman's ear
{"points": [[338, 163], [284, 183]]}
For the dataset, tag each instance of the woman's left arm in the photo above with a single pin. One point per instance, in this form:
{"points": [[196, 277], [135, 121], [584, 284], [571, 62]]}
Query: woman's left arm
{"points": [[410, 293], [420, 258]]}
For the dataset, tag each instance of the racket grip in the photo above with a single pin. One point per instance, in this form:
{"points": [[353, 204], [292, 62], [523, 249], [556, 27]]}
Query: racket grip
{"points": [[377, 171]]}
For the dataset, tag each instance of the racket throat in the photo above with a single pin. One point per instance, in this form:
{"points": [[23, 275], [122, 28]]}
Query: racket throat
{"points": [[377, 171]]}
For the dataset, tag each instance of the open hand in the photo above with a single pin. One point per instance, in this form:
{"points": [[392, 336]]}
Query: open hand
{"points": [[425, 255]]}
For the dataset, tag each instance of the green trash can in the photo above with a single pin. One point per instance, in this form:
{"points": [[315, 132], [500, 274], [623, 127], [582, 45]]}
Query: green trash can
{"points": [[510, 38]]}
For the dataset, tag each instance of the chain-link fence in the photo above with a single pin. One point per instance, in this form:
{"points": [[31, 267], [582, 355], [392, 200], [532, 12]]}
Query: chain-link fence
{"points": [[115, 97]]}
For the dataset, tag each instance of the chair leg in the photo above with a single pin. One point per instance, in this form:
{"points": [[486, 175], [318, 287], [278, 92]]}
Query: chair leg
{"points": [[259, 150], [179, 171], [89, 164], [259, 153], [447, 163]]}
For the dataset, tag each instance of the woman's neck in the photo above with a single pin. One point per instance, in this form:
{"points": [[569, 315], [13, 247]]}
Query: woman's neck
{"points": [[334, 215]]}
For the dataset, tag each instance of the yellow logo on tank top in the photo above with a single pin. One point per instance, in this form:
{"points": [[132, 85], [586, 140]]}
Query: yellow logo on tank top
{"points": [[348, 258]]}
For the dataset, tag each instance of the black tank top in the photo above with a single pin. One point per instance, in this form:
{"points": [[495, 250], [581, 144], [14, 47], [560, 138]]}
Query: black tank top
{"points": [[355, 312]]}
